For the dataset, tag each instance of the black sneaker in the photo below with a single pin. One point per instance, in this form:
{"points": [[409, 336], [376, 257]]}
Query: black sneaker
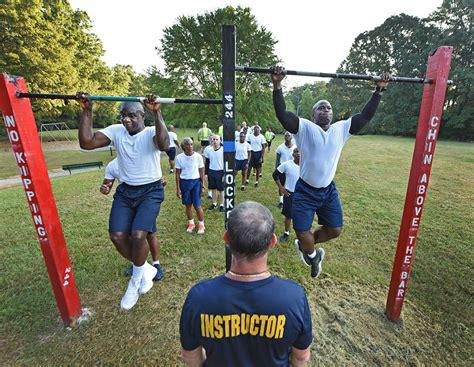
{"points": [[284, 237], [129, 271], [256, 184], [221, 208], [246, 182], [242, 188], [280, 205], [315, 263], [212, 207], [160, 273]]}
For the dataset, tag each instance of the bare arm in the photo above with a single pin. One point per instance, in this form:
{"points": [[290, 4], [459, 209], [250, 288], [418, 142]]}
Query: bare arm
{"points": [[203, 179], [299, 357], [177, 174], [193, 358], [161, 138], [288, 119], [87, 138]]}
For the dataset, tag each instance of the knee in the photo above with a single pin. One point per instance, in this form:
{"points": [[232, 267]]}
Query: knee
{"points": [[334, 232], [118, 237], [138, 237]]}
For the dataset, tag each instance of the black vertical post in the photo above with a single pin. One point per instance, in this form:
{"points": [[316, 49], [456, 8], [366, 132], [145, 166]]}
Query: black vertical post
{"points": [[228, 103]]}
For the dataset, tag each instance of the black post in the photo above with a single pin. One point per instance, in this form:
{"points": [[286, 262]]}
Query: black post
{"points": [[228, 102]]}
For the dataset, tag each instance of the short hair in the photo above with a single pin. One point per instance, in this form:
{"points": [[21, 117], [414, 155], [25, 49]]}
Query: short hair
{"points": [[170, 127], [186, 140], [318, 103], [127, 105], [204, 124], [250, 227]]}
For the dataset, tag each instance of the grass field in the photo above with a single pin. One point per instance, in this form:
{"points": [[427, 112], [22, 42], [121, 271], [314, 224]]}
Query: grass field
{"points": [[347, 301]]}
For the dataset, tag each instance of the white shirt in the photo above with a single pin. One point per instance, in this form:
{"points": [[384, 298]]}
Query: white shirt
{"points": [[292, 171], [173, 137], [189, 165], [320, 150], [286, 154], [137, 156], [111, 170], [216, 157], [256, 142], [242, 150]]}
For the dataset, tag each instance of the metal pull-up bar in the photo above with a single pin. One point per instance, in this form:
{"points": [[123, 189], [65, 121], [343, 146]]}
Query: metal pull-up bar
{"points": [[401, 79], [119, 99]]}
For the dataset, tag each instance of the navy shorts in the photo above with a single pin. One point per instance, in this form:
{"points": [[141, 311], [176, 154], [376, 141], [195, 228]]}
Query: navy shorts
{"points": [[287, 210], [241, 165], [256, 159], [308, 200], [191, 192], [204, 143], [171, 152], [269, 144], [135, 208], [215, 180]]}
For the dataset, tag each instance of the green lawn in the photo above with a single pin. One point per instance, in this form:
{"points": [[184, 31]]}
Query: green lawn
{"points": [[347, 301]]}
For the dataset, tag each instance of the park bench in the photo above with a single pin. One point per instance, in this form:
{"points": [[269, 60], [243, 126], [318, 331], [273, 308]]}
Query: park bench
{"points": [[70, 167]]}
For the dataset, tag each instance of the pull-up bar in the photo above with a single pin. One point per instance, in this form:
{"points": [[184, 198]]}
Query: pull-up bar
{"points": [[119, 99], [401, 79]]}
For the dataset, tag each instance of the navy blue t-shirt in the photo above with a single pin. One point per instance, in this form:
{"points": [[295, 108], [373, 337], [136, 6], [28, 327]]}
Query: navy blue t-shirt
{"points": [[246, 323]]}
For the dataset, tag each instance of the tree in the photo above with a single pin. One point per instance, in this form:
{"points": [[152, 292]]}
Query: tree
{"points": [[191, 49]]}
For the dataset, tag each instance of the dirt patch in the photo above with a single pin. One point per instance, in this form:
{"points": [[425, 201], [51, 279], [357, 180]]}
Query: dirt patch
{"points": [[351, 328]]}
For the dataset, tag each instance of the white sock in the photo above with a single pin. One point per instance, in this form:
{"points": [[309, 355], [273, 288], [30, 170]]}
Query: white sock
{"points": [[201, 222], [281, 199], [287, 232], [214, 204], [156, 262], [138, 272], [312, 255], [191, 221]]}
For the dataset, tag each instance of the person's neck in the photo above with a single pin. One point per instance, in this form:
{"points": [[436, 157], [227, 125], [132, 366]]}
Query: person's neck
{"points": [[288, 144], [135, 132], [248, 271]]}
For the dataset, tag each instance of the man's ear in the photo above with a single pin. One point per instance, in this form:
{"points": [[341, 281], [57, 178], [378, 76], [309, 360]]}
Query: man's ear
{"points": [[273, 241], [226, 237]]}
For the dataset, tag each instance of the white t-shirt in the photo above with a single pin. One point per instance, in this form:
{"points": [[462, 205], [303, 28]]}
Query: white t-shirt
{"points": [[242, 150], [111, 170], [173, 137], [216, 157], [320, 150], [292, 171], [286, 154], [256, 142], [137, 156], [189, 165]]}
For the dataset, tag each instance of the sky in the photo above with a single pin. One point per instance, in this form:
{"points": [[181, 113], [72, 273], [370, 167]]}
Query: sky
{"points": [[312, 35]]}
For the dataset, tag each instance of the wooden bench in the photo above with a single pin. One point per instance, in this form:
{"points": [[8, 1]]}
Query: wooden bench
{"points": [[70, 167]]}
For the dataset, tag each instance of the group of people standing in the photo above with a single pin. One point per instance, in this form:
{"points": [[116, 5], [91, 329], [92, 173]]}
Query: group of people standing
{"points": [[246, 316]]}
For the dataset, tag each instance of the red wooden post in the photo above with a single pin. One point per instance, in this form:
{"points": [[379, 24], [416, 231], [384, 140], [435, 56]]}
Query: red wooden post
{"points": [[22, 132], [438, 67]]}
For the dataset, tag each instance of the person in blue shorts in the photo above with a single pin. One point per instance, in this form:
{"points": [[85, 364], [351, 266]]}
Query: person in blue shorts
{"points": [[137, 200], [320, 144], [243, 154], [174, 143], [190, 184], [214, 155], [111, 173], [247, 316]]}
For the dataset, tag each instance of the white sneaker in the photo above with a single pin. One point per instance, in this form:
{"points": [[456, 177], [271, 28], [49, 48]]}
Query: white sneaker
{"points": [[147, 280], [130, 297]]}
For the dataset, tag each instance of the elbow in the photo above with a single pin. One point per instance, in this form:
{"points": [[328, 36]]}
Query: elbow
{"points": [[85, 145]]}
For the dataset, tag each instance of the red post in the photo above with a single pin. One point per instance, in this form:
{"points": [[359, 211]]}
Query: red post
{"points": [[438, 67], [22, 132]]}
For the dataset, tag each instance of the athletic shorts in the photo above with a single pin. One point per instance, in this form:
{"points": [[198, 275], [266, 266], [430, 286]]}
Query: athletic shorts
{"points": [[256, 159], [287, 209], [191, 192], [135, 208], [269, 144], [171, 152], [308, 200], [241, 164], [204, 143], [215, 180]]}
